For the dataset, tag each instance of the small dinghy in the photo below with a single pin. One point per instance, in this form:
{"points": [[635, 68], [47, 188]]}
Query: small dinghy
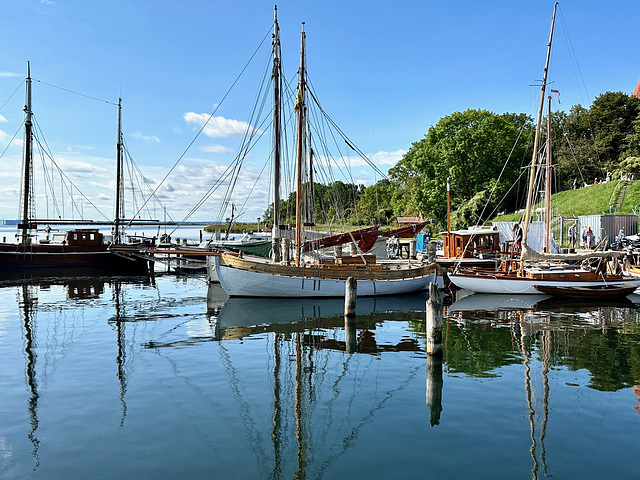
{"points": [[596, 291]]}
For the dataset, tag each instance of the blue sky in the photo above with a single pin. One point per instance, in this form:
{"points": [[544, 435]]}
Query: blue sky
{"points": [[384, 71]]}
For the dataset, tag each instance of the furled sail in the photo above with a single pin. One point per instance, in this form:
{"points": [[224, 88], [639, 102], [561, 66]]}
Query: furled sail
{"points": [[366, 237]]}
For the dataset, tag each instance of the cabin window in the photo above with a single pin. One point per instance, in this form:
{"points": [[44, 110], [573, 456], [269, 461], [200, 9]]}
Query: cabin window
{"points": [[91, 236], [75, 236]]}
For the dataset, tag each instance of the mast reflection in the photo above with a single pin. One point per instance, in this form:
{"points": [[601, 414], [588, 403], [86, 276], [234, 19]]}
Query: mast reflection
{"points": [[28, 311]]}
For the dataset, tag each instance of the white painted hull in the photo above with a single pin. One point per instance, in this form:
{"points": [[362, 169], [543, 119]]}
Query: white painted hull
{"points": [[519, 286], [212, 273], [243, 283]]}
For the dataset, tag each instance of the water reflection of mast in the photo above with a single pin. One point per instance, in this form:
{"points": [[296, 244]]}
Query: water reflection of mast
{"points": [[120, 359], [276, 431], [30, 352], [546, 337], [527, 385], [545, 407], [300, 433]]}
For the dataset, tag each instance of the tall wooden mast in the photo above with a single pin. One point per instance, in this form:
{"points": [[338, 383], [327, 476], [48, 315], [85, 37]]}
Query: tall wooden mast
{"points": [[301, 110], [118, 213], [547, 192], [277, 122], [536, 142], [26, 226]]}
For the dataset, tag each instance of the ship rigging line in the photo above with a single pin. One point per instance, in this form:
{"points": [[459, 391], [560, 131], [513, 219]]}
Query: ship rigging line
{"points": [[76, 93], [346, 139], [268, 34], [46, 151], [9, 143], [11, 96]]}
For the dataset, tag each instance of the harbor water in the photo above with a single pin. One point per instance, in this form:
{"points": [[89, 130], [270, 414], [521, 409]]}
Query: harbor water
{"points": [[166, 377]]}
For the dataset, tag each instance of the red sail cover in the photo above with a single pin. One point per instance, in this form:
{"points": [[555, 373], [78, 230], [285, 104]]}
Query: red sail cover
{"points": [[636, 92], [366, 237]]}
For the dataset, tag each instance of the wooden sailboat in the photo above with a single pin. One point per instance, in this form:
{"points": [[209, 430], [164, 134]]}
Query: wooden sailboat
{"points": [[591, 293], [245, 275], [544, 269], [81, 247]]}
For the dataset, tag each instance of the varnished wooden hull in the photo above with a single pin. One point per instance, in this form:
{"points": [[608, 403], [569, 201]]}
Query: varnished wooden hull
{"points": [[485, 282], [246, 278], [599, 291]]}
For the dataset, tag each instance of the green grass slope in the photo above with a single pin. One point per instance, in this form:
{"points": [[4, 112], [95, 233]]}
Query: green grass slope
{"points": [[592, 200]]}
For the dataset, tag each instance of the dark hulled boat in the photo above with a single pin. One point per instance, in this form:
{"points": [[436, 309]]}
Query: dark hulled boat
{"points": [[80, 247], [589, 292]]}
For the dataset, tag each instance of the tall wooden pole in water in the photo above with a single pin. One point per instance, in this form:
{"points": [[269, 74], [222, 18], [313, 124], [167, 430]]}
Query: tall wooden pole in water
{"points": [[350, 295], [434, 321]]}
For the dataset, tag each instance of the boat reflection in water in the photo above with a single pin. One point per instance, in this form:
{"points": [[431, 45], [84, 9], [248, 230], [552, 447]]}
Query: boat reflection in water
{"points": [[253, 388], [488, 302], [539, 327], [537, 308], [80, 285], [238, 317]]}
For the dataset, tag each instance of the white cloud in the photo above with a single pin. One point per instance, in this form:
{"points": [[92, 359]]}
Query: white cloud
{"points": [[219, 127], [47, 2], [146, 138], [10, 74], [80, 166], [387, 158], [80, 147], [216, 149], [2, 119]]}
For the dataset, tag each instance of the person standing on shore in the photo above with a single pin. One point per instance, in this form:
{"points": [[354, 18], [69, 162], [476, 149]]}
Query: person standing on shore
{"points": [[517, 238], [572, 235], [591, 239]]}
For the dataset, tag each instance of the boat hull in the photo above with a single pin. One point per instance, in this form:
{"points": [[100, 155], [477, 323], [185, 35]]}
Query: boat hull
{"points": [[37, 256], [241, 282], [518, 285], [600, 291]]}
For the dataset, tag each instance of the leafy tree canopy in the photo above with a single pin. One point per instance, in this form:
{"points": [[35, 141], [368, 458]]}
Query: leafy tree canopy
{"points": [[470, 148]]}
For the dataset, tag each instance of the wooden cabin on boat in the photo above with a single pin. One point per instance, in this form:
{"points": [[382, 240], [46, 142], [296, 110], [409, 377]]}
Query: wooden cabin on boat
{"points": [[480, 242]]}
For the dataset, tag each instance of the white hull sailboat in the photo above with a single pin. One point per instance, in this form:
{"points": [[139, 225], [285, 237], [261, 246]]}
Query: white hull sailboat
{"points": [[251, 278], [315, 276], [494, 282], [544, 269]]}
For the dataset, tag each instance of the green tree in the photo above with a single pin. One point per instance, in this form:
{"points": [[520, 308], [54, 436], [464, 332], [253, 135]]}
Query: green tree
{"points": [[375, 206], [612, 117], [475, 150], [592, 142]]}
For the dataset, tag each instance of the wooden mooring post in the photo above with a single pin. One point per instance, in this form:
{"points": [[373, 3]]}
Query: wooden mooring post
{"points": [[434, 321], [350, 294], [434, 388]]}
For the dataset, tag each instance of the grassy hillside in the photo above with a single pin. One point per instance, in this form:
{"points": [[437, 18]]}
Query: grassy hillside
{"points": [[593, 200]]}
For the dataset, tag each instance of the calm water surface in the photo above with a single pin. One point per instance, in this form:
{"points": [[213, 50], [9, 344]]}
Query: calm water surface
{"points": [[167, 378]]}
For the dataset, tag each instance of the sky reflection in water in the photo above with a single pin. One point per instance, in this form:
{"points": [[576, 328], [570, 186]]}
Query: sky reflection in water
{"points": [[167, 378]]}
